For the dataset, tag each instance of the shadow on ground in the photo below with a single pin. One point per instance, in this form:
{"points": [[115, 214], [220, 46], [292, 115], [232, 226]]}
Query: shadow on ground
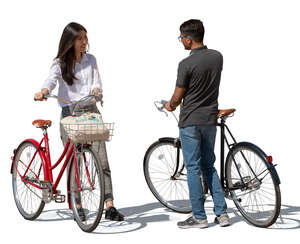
{"points": [[138, 217]]}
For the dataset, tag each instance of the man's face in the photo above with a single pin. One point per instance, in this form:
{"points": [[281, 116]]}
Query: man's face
{"points": [[186, 41]]}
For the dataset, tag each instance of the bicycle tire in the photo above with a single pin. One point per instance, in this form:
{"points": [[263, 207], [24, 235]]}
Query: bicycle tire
{"points": [[28, 198], [258, 201], [163, 153], [86, 200]]}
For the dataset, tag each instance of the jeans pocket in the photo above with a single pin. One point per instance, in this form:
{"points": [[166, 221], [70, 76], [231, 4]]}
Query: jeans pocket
{"points": [[189, 131]]}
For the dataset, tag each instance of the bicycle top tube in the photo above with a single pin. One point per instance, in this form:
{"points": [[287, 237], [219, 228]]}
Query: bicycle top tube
{"points": [[83, 101], [223, 114]]}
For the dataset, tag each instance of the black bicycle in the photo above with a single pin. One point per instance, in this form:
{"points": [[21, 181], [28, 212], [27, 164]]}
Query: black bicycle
{"points": [[247, 175]]}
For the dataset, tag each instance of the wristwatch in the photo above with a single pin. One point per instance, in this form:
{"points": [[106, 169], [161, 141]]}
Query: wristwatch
{"points": [[171, 106]]}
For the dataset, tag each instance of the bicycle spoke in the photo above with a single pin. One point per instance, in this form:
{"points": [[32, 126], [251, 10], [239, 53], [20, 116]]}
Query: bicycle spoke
{"points": [[169, 187], [256, 196], [28, 198], [89, 199]]}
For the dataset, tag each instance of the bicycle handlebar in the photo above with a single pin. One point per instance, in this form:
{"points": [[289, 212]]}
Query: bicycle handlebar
{"points": [[83, 100], [160, 105]]}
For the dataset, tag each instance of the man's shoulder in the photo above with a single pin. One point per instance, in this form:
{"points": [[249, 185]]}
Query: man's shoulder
{"points": [[207, 55], [203, 54], [185, 60], [215, 52]]}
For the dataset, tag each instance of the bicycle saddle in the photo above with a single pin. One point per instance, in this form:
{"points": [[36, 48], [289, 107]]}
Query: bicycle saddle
{"points": [[225, 112], [39, 123]]}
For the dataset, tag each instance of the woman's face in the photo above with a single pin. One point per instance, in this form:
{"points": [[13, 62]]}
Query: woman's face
{"points": [[81, 42]]}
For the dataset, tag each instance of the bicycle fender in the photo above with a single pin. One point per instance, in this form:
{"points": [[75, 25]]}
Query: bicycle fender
{"points": [[176, 141], [270, 166], [42, 154], [274, 173]]}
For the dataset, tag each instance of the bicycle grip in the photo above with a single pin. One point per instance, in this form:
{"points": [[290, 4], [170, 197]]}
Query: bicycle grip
{"points": [[163, 102], [44, 98]]}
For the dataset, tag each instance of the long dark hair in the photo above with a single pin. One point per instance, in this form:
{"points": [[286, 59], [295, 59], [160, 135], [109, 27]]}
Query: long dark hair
{"points": [[66, 52]]}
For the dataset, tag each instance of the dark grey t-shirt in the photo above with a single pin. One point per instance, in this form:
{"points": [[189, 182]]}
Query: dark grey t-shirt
{"points": [[200, 75]]}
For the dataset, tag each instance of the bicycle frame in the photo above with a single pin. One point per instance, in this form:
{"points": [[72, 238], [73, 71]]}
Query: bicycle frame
{"points": [[44, 152], [223, 179], [223, 126]]}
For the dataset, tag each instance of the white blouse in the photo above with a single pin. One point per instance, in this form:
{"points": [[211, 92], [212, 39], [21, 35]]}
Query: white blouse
{"points": [[87, 75]]}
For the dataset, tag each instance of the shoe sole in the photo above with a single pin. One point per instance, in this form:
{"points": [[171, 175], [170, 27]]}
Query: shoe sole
{"points": [[225, 225], [222, 225], [197, 226]]}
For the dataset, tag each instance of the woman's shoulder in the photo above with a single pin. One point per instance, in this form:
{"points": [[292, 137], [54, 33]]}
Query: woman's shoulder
{"points": [[55, 64], [91, 57]]}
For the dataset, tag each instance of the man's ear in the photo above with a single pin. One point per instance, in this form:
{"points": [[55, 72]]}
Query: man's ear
{"points": [[189, 41]]}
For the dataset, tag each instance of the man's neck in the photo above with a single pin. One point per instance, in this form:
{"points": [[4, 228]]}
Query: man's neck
{"points": [[196, 45]]}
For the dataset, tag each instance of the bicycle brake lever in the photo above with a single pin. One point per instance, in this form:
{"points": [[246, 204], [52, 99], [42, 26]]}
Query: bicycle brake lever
{"points": [[161, 108]]}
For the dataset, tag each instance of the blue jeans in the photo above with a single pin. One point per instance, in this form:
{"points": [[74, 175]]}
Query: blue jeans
{"points": [[198, 144]]}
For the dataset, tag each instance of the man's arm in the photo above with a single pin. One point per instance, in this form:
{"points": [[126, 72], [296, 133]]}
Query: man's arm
{"points": [[176, 99]]}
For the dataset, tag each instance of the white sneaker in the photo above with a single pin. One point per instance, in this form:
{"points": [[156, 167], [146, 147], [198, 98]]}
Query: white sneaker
{"points": [[222, 220]]}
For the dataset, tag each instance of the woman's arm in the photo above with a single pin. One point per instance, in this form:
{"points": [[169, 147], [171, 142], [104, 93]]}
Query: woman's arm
{"points": [[97, 83], [51, 81], [54, 75]]}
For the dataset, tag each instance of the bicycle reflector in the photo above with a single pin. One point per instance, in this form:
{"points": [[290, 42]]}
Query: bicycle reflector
{"points": [[269, 159]]}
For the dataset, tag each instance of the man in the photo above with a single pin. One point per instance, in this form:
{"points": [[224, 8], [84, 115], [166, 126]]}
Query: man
{"points": [[197, 84]]}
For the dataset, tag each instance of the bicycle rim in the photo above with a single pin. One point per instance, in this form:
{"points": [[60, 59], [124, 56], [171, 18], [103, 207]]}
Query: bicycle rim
{"points": [[171, 190], [259, 200], [28, 198], [88, 199]]}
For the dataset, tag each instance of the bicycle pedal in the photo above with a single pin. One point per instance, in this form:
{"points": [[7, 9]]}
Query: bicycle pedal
{"points": [[59, 198]]}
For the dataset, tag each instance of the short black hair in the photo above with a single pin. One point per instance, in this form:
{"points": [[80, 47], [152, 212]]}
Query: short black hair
{"points": [[194, 29]]}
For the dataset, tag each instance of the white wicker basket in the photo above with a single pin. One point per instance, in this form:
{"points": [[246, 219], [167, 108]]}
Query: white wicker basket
{"points": [[88, 127]]}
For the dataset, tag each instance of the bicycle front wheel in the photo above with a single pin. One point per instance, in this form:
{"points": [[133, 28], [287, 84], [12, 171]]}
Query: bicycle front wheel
{"points": [[254, 191], [87, 190], [28, 197], [166, 176]]}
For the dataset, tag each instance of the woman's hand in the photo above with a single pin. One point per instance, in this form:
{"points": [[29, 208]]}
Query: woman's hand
{"points": [[97, 92], [40, 95]]}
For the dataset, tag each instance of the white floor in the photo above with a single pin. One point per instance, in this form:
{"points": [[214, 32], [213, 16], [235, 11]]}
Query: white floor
{"points": [[148, 223], [136, 46]]}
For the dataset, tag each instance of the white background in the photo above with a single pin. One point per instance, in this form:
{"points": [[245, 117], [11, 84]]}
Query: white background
{"points": [[135, 43]]}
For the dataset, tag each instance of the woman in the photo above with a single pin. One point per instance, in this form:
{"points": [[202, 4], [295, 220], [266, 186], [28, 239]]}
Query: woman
{"points": [[77, 75]]}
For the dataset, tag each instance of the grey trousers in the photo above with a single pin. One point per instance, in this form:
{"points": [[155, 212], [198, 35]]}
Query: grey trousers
{"points": [[98, 147]]}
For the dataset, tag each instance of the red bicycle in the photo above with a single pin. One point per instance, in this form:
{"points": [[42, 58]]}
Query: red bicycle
{"points": [[34, 185]]}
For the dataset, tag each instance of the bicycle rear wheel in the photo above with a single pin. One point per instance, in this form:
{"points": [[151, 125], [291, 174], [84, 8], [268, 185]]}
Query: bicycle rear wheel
{"points": [[255, 192], [28, 198], [166, 176], [87, 198]]}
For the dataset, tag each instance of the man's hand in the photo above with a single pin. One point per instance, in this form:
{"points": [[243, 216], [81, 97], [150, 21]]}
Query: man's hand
{"points": [[168, 107]]}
